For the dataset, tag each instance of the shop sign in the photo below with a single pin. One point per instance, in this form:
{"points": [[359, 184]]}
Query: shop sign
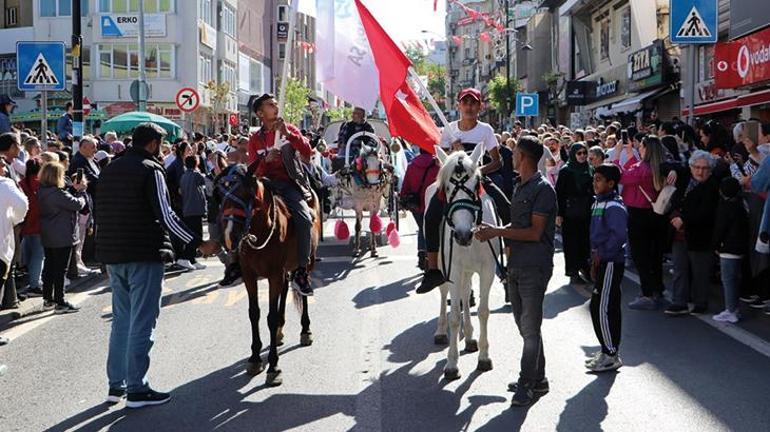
{"points": [[646, 67], [282, 31], [127, 25], [580, 92], [743, 62], [747, 16], [606, 89]]}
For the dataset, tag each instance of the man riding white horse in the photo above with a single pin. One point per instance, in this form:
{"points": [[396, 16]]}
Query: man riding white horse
{"points": [[280, 165], [462, 135]]}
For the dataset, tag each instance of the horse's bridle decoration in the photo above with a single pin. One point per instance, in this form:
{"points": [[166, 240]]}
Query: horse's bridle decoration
{"points": [[243, 212], [472, 204]]}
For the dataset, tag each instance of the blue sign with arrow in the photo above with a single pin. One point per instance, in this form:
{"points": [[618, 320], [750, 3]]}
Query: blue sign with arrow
{"points": [[694, 21], [527, 105], [40, 66]]}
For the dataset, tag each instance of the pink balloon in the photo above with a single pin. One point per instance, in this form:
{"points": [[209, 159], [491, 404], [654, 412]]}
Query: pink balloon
{"points": [[391, 227], [341, 230], [375, 224], [394, 240]]}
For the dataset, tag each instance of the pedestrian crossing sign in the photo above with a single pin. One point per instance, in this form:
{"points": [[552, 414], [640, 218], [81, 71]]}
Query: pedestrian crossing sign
{"points": [[40, 66], [694, 21]]}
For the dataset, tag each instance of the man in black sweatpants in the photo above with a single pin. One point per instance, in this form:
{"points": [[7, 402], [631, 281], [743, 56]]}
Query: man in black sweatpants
{"points": [[609, 227]]}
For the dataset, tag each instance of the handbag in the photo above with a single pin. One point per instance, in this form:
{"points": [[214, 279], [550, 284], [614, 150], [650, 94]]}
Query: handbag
{"points": [[662, 205], [412, 201]]}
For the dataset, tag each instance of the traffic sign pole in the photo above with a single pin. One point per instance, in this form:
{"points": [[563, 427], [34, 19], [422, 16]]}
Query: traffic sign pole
{"points": [[77, 75], [44, 119]]}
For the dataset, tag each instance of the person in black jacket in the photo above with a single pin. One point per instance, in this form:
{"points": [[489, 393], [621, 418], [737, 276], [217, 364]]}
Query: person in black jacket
{"points": [[83, 160], [574, 191], [693, 219], [134, 218], [731, 235]]}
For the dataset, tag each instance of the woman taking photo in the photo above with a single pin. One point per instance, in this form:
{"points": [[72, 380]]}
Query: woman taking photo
{"points": [[574, 192], [58, 218], [647, 231]]}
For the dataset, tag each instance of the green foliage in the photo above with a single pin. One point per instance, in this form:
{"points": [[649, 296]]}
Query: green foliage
{"points": [[497, 93], [339, 113], [436, 73], [295, 101]]}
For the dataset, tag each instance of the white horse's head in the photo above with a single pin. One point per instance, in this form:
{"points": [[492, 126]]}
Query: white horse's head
{"points": [[460, 180], [373, 165]]}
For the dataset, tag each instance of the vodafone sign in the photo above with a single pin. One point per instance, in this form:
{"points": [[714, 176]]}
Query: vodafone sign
{"points": [[743, 62]]}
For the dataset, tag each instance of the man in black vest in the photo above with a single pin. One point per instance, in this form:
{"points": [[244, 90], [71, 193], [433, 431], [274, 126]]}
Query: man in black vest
{"points": [[133, 218], [356, 124]]}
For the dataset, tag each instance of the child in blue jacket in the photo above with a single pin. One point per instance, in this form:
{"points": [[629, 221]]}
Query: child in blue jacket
{"points": [[609, 221]]}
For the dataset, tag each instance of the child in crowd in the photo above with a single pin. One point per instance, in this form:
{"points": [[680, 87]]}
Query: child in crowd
{"points": [[192, 187], [731, 234], [609, 223]]}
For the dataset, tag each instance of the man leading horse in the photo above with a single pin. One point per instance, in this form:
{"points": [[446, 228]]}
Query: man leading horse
{"points": [[278, 162]]}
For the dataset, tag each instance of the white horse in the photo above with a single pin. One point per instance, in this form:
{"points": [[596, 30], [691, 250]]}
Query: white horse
{"points": [[367, 190], [462, 255]]}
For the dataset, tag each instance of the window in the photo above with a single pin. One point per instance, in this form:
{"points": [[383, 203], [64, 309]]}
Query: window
{"points": [[228, 20], [625, 28], [205, 12], [604, 39], [281, 51], [85, 55], [122, 6], [255, 77], [229, 75], [121, 61], [204, 74], [56, 8], [282, 14], [11, 16]]}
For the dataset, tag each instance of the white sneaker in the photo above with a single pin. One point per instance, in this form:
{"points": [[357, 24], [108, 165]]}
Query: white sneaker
{"points": [[185, 264], [726, 316], [199, 266]]}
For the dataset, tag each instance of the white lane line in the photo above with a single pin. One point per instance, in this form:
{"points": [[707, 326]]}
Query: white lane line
{"points": [[745, 337]]}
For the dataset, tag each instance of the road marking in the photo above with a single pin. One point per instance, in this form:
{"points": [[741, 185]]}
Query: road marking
{"points": [[234, 296], [209, 298]]}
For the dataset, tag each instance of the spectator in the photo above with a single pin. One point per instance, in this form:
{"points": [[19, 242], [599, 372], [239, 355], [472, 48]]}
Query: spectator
{"points": [[193, 191], [14, 204], [58, 232], [7, 105], [596, 156], [32, 253], [64, 125], [731, 230], [111, 138], [692, 253], [574, 191], [714, 138], [9, 151], [646, 230], [102, 159], [84, 160], [133, 215], [420, 174]]}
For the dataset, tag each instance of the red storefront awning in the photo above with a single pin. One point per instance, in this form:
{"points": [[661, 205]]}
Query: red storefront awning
{"points": [[750, 99]]}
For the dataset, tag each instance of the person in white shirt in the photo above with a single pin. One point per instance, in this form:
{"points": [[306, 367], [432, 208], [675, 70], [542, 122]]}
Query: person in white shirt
{"points": [[462, 135]]}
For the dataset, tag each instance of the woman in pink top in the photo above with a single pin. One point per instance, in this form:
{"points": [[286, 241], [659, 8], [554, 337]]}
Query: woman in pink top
{"points": [[646, 229]]}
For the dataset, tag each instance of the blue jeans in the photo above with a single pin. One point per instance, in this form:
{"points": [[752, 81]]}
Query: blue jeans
{"points": [[418, 217], [33, 255], [732, 273], [136, 293]]}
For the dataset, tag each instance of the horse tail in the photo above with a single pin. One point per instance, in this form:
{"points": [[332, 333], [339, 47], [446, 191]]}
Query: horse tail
{"points": [[297, 300]]}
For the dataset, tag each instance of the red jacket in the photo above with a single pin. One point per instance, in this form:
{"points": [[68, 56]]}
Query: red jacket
{"points": [[414, 174], [261, 141], [31, 225]]}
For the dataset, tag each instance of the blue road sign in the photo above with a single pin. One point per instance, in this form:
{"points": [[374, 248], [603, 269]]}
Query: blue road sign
{"points": [[40, 66], [694, 21], [527, 105]]}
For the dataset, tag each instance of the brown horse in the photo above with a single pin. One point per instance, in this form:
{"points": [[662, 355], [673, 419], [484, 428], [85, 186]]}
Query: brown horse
{"points": [[258, 224]]}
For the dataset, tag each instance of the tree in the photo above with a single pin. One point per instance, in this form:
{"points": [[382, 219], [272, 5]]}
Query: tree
{"points": [[497, 93], [339, 113], [295, 101], [436, 73], [220, 95]]}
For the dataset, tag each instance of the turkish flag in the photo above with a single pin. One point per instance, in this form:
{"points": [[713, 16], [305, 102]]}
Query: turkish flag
{"points": [[407, 117]]}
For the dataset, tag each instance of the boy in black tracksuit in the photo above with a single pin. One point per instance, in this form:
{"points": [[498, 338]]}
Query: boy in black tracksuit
{"points": [[609, 222]]}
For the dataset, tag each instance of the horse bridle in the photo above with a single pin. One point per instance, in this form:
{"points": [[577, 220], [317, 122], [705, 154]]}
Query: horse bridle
{"points": [[473, 204], [245, 210]]}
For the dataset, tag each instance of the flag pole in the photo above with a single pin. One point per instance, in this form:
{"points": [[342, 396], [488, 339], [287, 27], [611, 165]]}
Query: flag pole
{"points": [[288, 54], [432, 101]]}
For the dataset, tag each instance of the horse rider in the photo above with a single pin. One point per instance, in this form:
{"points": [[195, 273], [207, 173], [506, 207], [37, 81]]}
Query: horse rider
{"points": [[462, 135], [280, 164], [357, 124]]}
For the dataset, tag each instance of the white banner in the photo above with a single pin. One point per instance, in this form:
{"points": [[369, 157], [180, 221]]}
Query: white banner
{"points": [[344, 59]]}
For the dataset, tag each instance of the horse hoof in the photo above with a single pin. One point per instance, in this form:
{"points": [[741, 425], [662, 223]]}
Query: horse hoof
{"points": [[484, 365], [440, 339], [374, 254], [254, 369], [471, 346], [451, 374], [274, 379], [306, 339], [279, 339]]}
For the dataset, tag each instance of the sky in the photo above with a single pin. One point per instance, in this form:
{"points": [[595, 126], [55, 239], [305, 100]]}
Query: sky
{"points": [[404, 20]]}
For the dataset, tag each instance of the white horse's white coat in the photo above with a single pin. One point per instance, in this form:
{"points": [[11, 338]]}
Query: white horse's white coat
{"points": [[465, 261]]}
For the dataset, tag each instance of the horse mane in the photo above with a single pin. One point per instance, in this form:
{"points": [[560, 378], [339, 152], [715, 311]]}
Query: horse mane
{"points": [[447, 169]]}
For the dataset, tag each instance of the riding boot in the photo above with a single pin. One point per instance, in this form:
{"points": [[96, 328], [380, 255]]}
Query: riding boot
{"points": [[433, 277]]}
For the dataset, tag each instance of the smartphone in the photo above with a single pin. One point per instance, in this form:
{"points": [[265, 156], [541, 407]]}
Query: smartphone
{"points": [[624, 136], [79, 176]]}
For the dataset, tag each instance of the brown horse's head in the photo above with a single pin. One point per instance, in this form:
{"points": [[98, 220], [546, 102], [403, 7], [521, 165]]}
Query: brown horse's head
{"points": [[243, 196]]}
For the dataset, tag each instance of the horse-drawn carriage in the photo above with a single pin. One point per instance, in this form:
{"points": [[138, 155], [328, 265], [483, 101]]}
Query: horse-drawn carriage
{"points": [[369, 169]]}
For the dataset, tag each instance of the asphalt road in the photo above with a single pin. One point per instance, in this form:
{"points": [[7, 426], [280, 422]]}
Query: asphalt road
{"points": [[373, 365]]}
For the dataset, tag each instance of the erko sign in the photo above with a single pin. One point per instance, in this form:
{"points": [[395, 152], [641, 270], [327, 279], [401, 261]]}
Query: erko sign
{"points": [[743, 61]]}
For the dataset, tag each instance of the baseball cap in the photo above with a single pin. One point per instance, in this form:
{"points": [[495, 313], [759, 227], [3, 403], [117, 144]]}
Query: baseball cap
{"points": [[5, 99], [472, 92]]}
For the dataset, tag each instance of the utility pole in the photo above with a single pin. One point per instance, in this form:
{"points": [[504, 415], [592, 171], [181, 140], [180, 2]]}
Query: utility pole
{"points": [[142, 71], [77, 73], [507, 65]]}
